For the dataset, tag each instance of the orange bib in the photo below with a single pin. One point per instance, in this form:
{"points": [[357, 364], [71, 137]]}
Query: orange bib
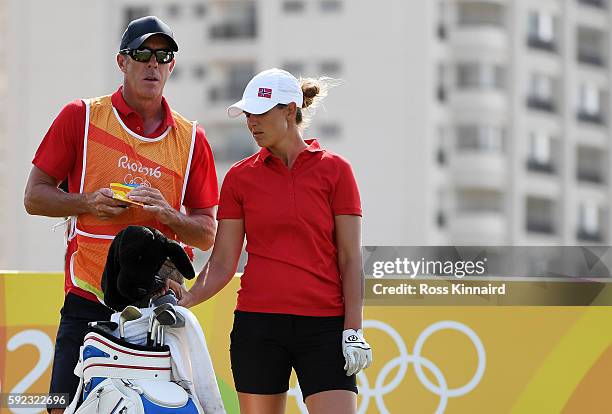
{"points": [[113, 153]]}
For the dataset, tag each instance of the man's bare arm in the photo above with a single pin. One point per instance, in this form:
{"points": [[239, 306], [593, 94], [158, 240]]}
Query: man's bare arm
{"points": [[43, 198], [196, 228]]}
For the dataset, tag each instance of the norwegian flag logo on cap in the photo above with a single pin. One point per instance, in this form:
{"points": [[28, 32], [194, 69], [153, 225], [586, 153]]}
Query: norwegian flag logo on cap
{"points": [[265, 93]]}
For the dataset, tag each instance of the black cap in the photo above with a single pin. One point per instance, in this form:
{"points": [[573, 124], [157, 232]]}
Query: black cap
{"points": [[141, 29]]}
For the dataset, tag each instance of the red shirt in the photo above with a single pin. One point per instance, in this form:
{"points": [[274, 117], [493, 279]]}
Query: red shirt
{"points": [[288, 216], [60, 155]]}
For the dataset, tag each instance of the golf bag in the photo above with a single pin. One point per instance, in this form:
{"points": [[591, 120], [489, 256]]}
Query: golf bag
{"points": [[126, 376]]}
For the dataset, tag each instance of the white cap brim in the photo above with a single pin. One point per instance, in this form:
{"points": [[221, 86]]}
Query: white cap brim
{"points": [[253, 106]]}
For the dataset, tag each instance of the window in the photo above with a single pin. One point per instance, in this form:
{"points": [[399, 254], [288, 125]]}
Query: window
{"points": [[590, 165], [541, 93], [591, 45], [589, 104], [480, 14], [589, 225], [236, 77], [589, 99], [238, 22], [293, 6], [541, 31], [480, 138], [330, 6], [540, 215], [539, 157], [480, 76]]}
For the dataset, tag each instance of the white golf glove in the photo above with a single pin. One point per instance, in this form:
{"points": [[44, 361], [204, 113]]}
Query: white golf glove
{"points": [[357, 352]]}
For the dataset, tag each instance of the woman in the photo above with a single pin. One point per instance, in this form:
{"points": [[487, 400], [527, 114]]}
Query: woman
{"points": [[300, 303]]}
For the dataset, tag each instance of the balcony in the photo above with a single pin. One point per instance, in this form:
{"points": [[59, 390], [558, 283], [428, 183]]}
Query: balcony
{"points": [[537, 43], [540, 166], [465, 40], [588, 236], [589, 176], [591, 59], [541, 104], [229, 31], [478, 228], [484, 102], [590, 118], [478, 169], [540, 226], [594, 3]]}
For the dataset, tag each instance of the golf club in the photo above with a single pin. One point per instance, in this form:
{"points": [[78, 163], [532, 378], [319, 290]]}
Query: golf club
{"points": [[106, 326], [154, 331], [166, 317], [161, 340], [129, 313], [157, 310]]}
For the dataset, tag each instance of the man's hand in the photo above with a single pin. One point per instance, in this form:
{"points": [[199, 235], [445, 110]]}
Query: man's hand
{"points": [[357, 352], [102, 204], [154, 202], [196, 227]]}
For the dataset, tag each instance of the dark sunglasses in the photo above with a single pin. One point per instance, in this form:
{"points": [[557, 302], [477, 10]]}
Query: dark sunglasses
{"points": [[144, 54]]}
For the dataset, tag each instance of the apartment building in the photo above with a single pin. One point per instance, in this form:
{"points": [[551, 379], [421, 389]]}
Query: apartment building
{"points": [[467, 122], [523, 122]]}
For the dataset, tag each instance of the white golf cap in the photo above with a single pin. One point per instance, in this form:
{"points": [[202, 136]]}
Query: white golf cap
{"points": [[266, 90]]}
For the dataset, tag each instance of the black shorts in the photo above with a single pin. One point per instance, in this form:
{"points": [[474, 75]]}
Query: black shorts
{"points": [[265, 346], [76, 314]]}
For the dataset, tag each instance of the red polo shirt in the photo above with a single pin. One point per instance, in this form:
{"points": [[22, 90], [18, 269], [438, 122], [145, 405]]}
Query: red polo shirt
{"points": [[60, 155], [288, 216]]}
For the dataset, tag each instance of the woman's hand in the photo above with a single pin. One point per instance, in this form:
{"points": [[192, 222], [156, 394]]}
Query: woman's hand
{"points": [[185, 297], [176, 287]]}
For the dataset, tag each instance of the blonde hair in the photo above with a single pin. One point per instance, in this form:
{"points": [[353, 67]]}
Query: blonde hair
{"points": [[314, 90]]}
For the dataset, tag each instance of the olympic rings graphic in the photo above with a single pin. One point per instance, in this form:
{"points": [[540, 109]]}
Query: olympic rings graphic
{"points": [[381, 388], [130, 179]]}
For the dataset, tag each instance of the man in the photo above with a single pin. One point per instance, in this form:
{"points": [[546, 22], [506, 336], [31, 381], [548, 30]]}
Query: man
{"points": [[133, 137]]}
